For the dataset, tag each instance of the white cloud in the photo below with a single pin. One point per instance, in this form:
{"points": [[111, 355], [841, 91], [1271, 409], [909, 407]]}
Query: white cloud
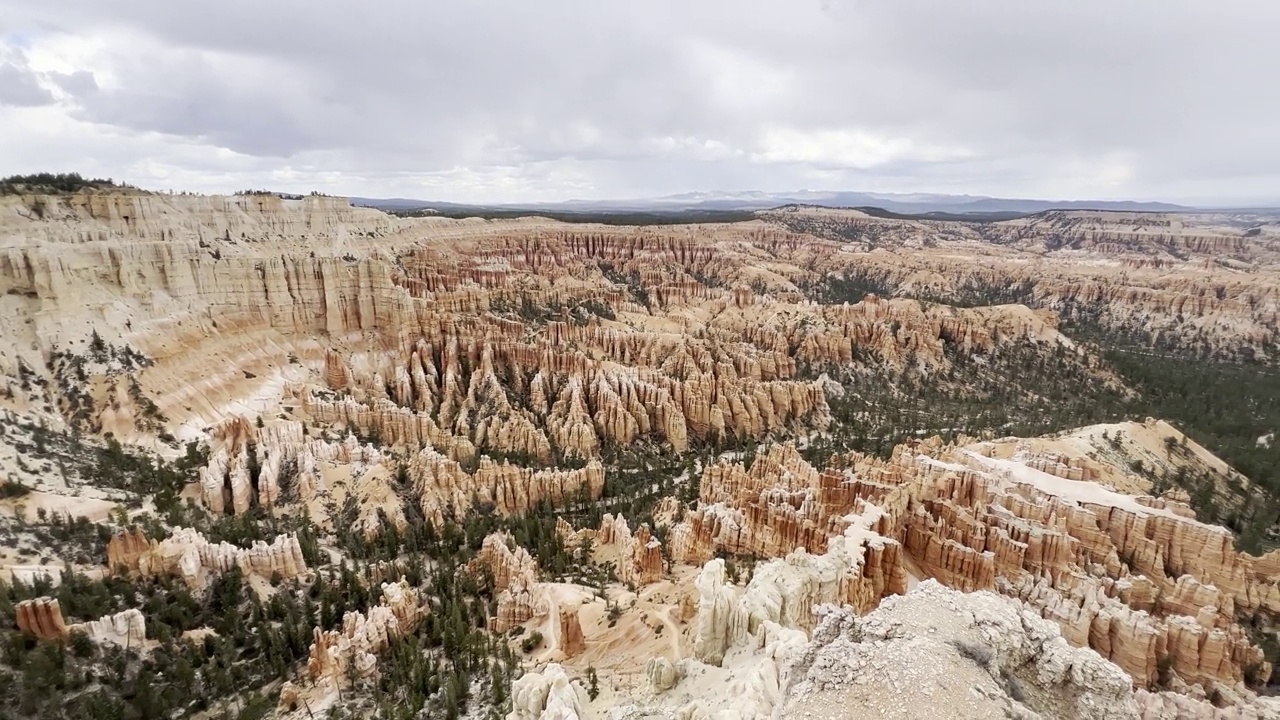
{"points": [[854, 148], [504, 100]]}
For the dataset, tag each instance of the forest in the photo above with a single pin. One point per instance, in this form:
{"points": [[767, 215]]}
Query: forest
{"points": [[228, 642], [52, 183]]}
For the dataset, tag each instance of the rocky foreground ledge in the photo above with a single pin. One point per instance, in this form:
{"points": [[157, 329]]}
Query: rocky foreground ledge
{"points": [[932, 653]]}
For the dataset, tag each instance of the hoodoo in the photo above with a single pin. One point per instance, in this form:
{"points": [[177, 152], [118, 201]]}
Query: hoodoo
{"points": [[289, 453]]}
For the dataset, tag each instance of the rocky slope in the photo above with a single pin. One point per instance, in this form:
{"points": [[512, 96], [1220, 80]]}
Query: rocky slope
{"points": [[1136, 578], [1205, 282], [384, 376], [566, 336], [1161, 608], [933, 652]]}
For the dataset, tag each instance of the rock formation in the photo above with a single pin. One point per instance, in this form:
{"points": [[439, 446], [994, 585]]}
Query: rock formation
{"points": [[1157, 275], [721, 619], [126, 628], [1137, 579], [781, 505], [639, 555], [547, 695], [246, 463], [448, 491], [41, 618], [508, 563], [974, 655], [785, 507], [571, 641], [448, 360], [959, 655], [515, 579], [327, 352], [858, 569], [1118, 575], [187, 554], [338, 655], [661, 674], [1175, 706]]}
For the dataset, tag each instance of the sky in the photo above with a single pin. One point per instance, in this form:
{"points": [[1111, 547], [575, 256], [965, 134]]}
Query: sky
{"points": [[519, 101]]}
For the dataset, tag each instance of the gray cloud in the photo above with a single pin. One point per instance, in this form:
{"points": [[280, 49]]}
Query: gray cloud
{"points": [[499, 99], [20, 87], [80, 83]]}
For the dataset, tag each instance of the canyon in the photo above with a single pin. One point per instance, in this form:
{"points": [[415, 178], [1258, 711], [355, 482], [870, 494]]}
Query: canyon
{"points": [[657, 455]]}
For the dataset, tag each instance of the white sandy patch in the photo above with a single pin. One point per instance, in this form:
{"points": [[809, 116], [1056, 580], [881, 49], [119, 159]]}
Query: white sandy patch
{"points": [[29, 574], [1077, 491], [95, 509], [261, 394]]}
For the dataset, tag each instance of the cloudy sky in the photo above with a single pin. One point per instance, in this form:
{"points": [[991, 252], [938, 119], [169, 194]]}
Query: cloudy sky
{"points": [[512, 100]]}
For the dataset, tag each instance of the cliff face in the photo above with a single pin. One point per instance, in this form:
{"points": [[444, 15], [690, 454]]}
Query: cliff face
{"points": [[164, 259], [204, 289], [529, 338], [166, 218]]}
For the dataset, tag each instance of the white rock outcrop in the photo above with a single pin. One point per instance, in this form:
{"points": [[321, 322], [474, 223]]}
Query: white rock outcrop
{"points": [[547, 695], [126, 629], [721, 620], [782, 591], [661, 673], [936, 652]]}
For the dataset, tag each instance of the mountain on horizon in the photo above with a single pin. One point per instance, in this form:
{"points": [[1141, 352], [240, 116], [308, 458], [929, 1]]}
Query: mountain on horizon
{"points": [[907, 203]]}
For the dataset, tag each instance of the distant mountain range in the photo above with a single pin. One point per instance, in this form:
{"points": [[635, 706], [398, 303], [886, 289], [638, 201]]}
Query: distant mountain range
{"points": [[756, 200]]}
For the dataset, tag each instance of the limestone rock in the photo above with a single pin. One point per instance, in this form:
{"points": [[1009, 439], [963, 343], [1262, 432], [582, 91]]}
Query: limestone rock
{"points": [[41, 618], [1137, 580], [337, 654], [571, 641], [290, 697], [186, 553], [448, 491], [547, 695], [1159, 269], [721, 620], [935, 638], [662, 675], [639, 556], [1174, 706], [508, 563], [1096, 566], [515, 578], [126, 629]]}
